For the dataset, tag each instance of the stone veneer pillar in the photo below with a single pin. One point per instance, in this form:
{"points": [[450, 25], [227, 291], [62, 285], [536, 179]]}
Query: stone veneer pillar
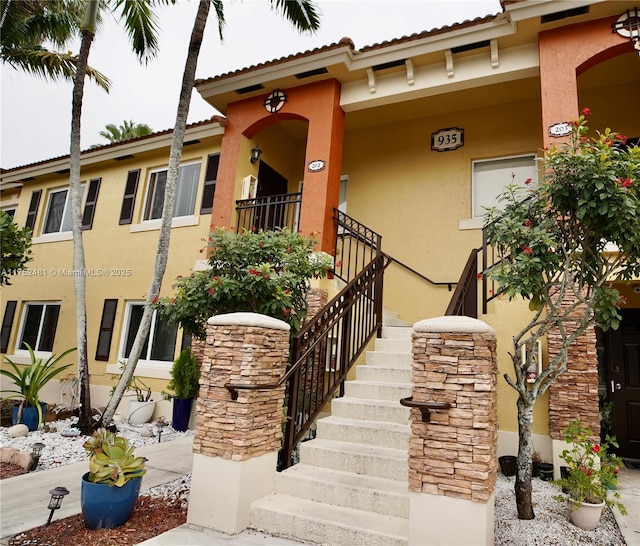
{"points": [[453, 458], [237, 441], [574, 394]]}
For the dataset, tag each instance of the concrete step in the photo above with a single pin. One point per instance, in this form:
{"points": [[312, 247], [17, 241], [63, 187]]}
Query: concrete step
{"points": [[357, 431], [384, 374], [391, 332], [397, 344], [381, 358], [373, 410], [377, 390], [383, 462], [388, 320], [306, 520], [373, 494]]}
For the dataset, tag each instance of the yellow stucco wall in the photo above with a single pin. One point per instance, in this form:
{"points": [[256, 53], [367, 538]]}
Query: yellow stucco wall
{"points": [[119, 258]]}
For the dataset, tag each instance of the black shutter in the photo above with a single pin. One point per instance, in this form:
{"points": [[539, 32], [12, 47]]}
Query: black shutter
{"points": [[33, 209], [90, 203], [129, 200], [7, 323], [210, 177], [106, 329]]}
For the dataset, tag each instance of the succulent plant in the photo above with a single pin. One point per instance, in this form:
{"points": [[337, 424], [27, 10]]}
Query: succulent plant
{"points": [[111, 459]]}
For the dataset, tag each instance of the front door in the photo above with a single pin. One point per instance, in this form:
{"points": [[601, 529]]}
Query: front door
{"points": [[271, 211], [624, 382]]}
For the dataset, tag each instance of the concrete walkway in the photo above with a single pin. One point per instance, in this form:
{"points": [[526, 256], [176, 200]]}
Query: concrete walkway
{"points": [[24, 499]]}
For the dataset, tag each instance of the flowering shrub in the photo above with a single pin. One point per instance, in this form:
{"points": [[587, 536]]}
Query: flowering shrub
{"points": [[592, 469], [560, 245], [265, 272]]}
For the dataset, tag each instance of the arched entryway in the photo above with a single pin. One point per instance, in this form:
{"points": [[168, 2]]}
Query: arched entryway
{"points": [[315, 159]]}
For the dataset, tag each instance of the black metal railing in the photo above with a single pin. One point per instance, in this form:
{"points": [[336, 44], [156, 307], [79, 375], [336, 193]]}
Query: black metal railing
{"points": [[327, 347], [269, 213], [465, 298], [356, 246]]}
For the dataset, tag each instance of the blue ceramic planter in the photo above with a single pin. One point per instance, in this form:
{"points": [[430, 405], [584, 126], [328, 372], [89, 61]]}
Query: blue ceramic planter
{"points": [[181, 413], [107, 506], [29, 415]]}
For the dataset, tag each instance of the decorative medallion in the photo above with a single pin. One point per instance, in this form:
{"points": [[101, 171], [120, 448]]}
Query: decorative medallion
{"points": [[560, 129], [628, 26], [315, 166], [275, 101], [447, 139]]}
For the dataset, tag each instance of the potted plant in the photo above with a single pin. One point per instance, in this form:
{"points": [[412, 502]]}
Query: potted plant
{"points": [[536, 459], [142, 407], [29, 382], [185, 377], [591, 470], [111, 487]]}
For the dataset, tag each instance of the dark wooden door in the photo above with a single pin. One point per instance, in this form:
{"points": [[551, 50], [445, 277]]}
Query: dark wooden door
{"points": [[270, 210], [624, 383]]}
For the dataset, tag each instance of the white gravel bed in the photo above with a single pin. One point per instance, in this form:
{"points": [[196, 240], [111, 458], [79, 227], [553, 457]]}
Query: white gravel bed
{"points": [[551, 526], [60, 450]]}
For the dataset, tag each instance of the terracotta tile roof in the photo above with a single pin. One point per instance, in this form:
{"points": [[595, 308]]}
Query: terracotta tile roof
{"points": [[214, 119], [347, 42]]}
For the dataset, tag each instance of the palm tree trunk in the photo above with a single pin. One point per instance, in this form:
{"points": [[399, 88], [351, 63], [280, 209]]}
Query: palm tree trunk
{"points": [[162, 254], [525, 451], [79, 279]]}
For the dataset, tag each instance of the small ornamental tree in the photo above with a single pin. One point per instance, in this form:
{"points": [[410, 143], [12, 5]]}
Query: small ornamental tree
{"points": [[561, 243], [16, 247], [265, 272]]}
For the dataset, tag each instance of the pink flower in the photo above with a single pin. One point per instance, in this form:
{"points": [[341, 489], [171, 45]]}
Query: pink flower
{"points": [[154, 300], [528, 181], [212, 291], [479, 275], [623, 139], [527, 250], [528, 223], [586, 112], [595, 448]]}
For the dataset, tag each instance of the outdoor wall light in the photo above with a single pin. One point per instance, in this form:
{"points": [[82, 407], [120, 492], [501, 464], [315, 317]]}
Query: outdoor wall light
{"points": [[628, 26], [36, 451], [57, 495], [255, 154]]}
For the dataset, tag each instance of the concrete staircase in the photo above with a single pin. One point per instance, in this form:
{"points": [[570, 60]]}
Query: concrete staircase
{"points": [[350, 487]]}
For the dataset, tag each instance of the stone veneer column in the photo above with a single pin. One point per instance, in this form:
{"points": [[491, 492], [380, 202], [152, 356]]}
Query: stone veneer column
{"points": [[453, 458], [237, 441], [574, 394]]}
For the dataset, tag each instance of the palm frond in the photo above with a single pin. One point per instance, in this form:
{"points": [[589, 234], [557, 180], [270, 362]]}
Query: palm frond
{"points": [[304, 15], [141, 25]]}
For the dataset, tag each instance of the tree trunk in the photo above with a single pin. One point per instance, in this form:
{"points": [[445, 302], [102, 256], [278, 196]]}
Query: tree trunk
{"points": [[525, 451], [79, 280], [162, 254]]}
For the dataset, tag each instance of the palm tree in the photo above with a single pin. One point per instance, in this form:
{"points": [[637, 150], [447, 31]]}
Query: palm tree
{"points": [[141, 26], [126, 131], [26, 26], [304, 16]]}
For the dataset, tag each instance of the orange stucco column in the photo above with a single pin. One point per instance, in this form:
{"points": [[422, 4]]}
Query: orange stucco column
{"points": [[318, 104], [565, 53]]}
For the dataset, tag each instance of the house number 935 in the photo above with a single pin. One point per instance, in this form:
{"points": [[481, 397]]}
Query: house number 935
{"points": [[447, 139]]}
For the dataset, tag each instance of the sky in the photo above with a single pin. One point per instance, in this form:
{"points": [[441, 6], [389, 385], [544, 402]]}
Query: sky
{"points": [[36, 114]]}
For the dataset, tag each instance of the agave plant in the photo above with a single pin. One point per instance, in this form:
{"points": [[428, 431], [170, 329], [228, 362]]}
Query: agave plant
{"points": [[111, 459], [30, 379]]}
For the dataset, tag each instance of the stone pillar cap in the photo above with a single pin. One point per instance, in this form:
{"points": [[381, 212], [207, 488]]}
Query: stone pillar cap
{"points": [[248, 319], [453, 324]]}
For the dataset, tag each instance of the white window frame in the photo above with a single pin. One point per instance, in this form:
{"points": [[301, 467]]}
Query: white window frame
{"points": [[521, 174], [20, 349], [148, 205], [144, 359], [66, 213]]}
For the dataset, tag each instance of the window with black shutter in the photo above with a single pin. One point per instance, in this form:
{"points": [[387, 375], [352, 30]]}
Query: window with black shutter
{"points": [[210, 177], [129, 199], [106, 329], [7, 323], [90, 203], [33, 209]]}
